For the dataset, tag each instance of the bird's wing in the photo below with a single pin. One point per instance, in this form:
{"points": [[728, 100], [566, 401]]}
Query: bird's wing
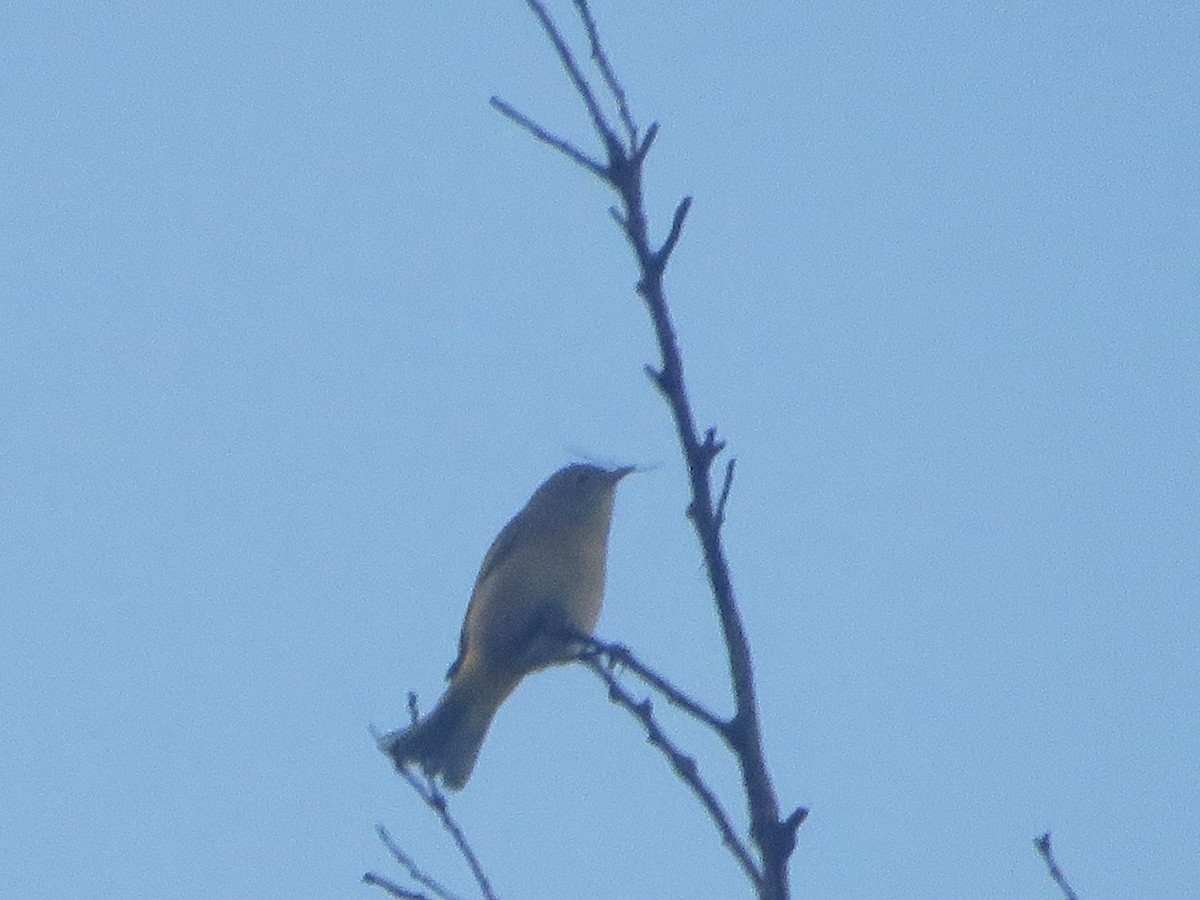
{"points": [[499, 551]]}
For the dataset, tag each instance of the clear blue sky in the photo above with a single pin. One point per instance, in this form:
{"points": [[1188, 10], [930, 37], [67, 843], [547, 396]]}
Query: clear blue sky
{"points": [[291, 322]]}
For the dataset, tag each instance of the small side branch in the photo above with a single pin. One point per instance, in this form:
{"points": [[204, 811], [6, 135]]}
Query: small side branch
{"points": [[562, 146], [610, 78], [729, 467], [431, 796], [664, 253], [1042, 844], [414, 872], [436, 800], [620, 655], [393, 889], [568, 62], [683, 765]]}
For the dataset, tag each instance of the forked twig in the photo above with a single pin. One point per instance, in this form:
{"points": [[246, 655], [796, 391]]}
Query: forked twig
{"points": [[610, 78], [428, 791], [581, 84], [414, 871], [562, 146], [431, 796]]}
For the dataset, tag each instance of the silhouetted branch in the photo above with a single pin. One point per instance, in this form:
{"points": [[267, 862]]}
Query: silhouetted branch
{"points": [[568, 63], [431, 796], [729, 467], [392, 888], [677, 220], [436, 800], [610, 79], [774, 838], [619, 655], [414, 871], [559, 144], [684, 765], [1043, 848]]}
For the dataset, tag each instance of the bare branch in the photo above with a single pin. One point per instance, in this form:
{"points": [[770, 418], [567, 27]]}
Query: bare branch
{"points": [[619, 655], [581, 86], [725, 488], [432, 797], [414, 871], [664, 253], [710, 448], [392, 888], [656, 377], [639, 154], [437, 802], [1043, 848], [683, 765], [610, 78], [796, 819], [562, 146]]}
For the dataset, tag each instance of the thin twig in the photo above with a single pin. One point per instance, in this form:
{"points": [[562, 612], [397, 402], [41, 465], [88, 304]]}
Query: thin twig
{"points": [[668, 247], [581, 85], [610, 79], [684, 765], [436, 800], [639, 154], [432, 797], [392, 888], [562, 146], [1043, 847], [729, 467], [414, 871], [619, 655]]}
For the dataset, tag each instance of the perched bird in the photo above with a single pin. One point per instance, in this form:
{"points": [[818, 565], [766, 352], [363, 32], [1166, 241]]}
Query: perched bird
{"points": [[542, 579]]}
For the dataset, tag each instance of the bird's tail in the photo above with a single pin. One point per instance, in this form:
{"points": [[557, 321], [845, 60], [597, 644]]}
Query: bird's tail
{"points": [[446, 742]]}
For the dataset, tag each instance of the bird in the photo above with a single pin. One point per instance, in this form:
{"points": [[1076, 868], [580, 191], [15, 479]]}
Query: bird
{"points": [[539, 589]]}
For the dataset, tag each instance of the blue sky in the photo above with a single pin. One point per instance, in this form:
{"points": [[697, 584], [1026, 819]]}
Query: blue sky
{"points": [[293, 322]]}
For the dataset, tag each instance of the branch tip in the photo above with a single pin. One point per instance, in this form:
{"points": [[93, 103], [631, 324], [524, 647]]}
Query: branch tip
{"points": [[711, 447], [796, 819], [668, 247], [657, 377], [573, 72], [1042, 844], [606, 71], [642, 149]]}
